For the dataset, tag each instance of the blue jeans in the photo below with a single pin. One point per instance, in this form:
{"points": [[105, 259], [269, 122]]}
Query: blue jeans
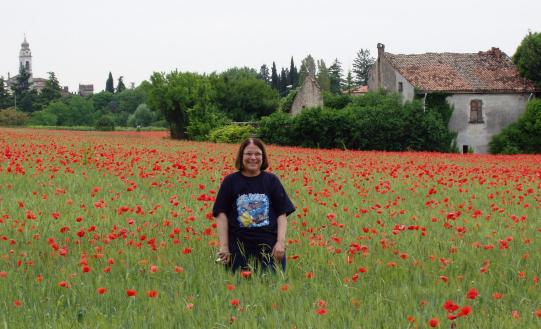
{"points": [[242, 254]]}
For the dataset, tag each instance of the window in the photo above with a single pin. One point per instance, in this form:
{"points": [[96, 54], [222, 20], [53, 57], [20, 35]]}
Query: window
{"points": [[27, 65], [476, 111], [400, 87]]}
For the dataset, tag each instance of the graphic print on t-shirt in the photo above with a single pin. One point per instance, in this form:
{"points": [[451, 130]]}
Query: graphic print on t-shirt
{"points": [[253, 210]]}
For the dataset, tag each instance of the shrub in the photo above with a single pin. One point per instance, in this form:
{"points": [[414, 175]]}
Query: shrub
{"points": [[12, 117], [336, 101], [44, 118], [522, 136], [105, 123], [142, 116], [276, 128], [231, 133], [202, 121]]}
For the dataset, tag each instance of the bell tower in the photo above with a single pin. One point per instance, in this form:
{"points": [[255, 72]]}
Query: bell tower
{"points": [[25, 56]]}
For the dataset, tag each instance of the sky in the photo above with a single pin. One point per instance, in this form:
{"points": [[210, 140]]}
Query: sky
{"points": [[82, 41]]}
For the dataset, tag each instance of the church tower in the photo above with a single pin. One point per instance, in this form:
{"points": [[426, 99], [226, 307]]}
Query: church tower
{"points": [[25, 56]]}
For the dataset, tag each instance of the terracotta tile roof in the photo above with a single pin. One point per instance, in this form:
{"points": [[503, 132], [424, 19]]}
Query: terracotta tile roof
{"points": [[490, 71]]}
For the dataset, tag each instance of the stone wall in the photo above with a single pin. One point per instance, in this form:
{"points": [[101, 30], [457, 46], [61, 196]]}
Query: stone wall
{"points": [[309, 95]]}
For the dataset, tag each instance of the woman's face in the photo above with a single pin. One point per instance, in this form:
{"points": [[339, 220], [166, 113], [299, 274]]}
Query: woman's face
{"points": [[252, 158]]}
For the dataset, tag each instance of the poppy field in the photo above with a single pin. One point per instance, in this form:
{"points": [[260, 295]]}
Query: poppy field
{"points": [[114, 230]]}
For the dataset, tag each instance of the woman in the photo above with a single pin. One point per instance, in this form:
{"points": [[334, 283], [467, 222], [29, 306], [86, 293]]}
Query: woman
{"points": [[251, 212]]}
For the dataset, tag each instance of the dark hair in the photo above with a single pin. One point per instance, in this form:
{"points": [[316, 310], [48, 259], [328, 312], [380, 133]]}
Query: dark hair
{"points": [[257, 142]]}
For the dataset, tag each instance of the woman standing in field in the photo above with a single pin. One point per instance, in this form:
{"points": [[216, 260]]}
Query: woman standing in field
{"points": [[251, 212]]}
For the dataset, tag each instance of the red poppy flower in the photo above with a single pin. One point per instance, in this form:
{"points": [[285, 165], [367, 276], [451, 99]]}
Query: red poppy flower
{"points": [[101, 290], [434, 322], [245, 274], [235, 302], [464, 311], [321, 311], [152, 293], [472, 293], [131, 292]]}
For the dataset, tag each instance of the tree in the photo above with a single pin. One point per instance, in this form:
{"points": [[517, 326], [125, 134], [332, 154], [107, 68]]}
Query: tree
{"points": [[336, 77], [522, 136], [5, 99], [283, 82], [242, 96], [349, 83], [361, 66], [264, 74], [174, 94], [293, 74], [120, 87], [308, 67], [527, 58], [51, 90], [22, 83], [109, 85], [24, 96], [323, 76], [275, 80]]}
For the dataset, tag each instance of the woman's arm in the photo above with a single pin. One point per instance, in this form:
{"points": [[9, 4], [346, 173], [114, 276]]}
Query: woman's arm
{"points": [[279, 250], [221, 225]]}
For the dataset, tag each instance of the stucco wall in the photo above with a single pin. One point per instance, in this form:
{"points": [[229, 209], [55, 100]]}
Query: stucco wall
{"points": [[389, 80], [498, 111]]}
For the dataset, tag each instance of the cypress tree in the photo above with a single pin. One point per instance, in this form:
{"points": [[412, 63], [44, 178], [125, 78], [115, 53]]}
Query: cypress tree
{"points": [[293, 74], [109, 85], [120, 86], [275, 80]]}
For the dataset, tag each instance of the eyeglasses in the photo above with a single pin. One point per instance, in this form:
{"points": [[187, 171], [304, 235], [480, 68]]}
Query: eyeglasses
{"points": [[249, 154]]}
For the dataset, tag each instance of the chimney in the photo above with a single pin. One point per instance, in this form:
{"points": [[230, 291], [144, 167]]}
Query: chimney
{"points": [[381, 50], [496, 52]]}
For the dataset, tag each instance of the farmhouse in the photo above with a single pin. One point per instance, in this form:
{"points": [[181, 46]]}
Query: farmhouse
{"points": [[484, 88]]}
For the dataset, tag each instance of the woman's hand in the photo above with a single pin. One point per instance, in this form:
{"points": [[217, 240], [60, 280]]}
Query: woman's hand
{"points": [[279, 250], [224, 256]]}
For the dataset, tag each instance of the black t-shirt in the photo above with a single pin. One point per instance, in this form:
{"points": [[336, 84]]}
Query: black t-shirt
{"points": [[252, 205]]}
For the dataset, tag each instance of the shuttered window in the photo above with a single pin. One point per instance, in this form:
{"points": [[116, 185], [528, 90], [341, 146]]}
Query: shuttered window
{"points": [[476, 111]]}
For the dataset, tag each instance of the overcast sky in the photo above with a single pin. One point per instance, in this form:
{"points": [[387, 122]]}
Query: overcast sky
{"points": [[81, 41]]}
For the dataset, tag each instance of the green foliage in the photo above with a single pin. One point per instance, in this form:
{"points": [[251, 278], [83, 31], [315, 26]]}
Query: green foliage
{"points": [[293, 78], [527, 58], [105, 123], [438, 102], [142, 117], [44, 118], [51, 90], [70, 111], [12, 117], [308, 67], [22, 83], [287, 102], [6, 100], [336, 101], [203, 121], [523, 136], [361, 67], [109, 84], [323, 76], [120, 87], [375, 121], [242, 96], [174, 93], [101, 99], [276, 128], [275, 80], [336, 77], [231, 133]]}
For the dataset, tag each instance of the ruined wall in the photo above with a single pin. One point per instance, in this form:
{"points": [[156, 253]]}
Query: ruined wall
{"points": [[309, 95]]}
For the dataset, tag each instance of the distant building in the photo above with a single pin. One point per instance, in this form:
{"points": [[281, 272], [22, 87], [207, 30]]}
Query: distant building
{"points": [[359, 91], [484, 88], [25, 60], [65, 91], [86, 90], [309, 95]]}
